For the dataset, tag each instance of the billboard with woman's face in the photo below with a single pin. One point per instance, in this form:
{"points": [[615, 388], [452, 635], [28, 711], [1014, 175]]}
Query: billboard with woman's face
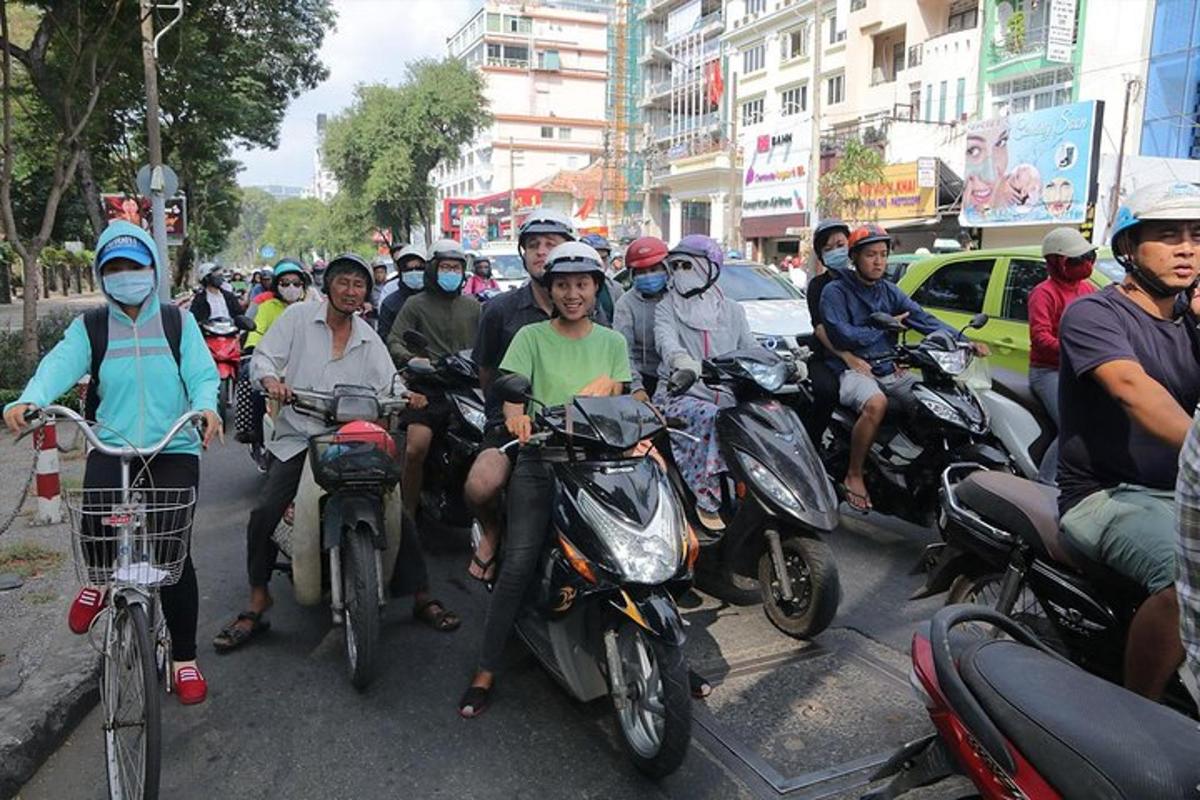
{"points": [[1038, 167]]}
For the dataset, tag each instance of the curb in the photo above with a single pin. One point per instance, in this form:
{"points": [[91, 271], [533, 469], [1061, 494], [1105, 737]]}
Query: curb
{"points": [[40, 715]]}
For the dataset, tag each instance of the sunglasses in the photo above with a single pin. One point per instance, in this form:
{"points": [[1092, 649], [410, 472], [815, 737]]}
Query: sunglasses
{"points": [[1079, 261], [286, 282]]}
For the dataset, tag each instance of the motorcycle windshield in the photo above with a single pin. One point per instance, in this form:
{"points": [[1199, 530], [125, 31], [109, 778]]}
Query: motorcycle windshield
{"points": [[615, 422]]}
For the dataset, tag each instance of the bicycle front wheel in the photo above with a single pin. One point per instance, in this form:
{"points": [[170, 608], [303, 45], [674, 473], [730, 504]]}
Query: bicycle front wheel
{"points": [[130, 698]]}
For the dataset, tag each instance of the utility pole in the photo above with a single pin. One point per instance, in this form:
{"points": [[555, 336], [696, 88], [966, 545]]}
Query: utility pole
{"points": [[1114, 199], [158, 205], [512, 191], [814, 164]]}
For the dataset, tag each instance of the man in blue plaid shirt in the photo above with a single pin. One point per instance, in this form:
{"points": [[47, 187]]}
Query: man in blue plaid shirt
{"points": [[1187, 579]]}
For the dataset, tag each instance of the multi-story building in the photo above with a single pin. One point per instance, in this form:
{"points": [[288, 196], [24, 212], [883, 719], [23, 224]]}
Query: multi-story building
{"points": [[324, 184], [546, 72], [692, 175]]}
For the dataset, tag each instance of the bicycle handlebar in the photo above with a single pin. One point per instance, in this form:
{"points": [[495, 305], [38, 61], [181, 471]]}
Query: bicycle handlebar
{"points": [[126, 452]]}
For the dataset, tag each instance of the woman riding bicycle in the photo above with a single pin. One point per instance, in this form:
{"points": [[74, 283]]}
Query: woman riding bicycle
{"points": [[144, 387]]}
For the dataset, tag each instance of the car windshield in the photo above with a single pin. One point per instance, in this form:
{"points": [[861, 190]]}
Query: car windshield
{"points": [[756, 282], [506, 265]]}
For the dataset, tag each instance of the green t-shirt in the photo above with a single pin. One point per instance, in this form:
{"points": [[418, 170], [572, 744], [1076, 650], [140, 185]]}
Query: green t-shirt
{"points": [[559, 367]]}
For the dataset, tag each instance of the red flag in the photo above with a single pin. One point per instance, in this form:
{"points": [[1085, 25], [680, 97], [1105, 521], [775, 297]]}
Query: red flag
{"points": [[715, 82], [588, 204]]}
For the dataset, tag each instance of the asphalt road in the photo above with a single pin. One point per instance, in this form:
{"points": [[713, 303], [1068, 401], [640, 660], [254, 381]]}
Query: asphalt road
{"points": [[787, 719]]}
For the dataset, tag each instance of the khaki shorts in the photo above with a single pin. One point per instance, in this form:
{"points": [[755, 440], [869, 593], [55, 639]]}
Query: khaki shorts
{"points": [[1130, 529], [855, 388]]}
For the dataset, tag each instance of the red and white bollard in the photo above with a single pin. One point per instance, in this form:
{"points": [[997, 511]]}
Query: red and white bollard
{"points": [[49, 489]]}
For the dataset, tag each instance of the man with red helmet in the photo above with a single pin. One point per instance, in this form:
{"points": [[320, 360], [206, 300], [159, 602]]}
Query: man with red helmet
{"points": [[633, 316], [846, 309]]}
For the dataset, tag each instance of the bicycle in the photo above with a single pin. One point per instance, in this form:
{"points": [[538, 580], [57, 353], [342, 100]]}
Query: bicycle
{"points": [[133, 540]]}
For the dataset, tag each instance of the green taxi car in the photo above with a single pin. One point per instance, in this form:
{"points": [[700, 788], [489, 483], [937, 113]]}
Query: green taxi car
{"points": [[956, 286]]}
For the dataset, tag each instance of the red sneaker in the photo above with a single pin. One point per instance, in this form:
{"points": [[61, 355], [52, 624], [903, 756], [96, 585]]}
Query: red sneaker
{"points": [[190, 685], [87, 604]]}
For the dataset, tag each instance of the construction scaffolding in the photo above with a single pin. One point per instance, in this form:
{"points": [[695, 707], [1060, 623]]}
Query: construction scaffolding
{"points": [[622, 163]]}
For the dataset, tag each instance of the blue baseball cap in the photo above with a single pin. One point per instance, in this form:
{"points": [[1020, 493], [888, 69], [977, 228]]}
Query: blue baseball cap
{"points": [[125, 246]]}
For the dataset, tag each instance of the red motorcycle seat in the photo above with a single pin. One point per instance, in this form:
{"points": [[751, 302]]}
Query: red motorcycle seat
{"points": [[1090, 739]]}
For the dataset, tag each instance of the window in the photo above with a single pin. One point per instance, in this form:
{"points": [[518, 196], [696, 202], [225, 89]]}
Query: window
{"points": [[548, 59], [1040, 90], [1023, 275], [835, 35], [958, 286], [795, 43], [929, 102], [942, 101], [752, 112], [960, 99], [794, 100], [963, 19], [914, 102], [897, 58], [835, 89], [756, 6], [754, 58], [547, 131], [564, 133]]}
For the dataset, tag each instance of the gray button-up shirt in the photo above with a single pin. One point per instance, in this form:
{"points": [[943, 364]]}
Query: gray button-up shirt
{"points": [[299, 346]]}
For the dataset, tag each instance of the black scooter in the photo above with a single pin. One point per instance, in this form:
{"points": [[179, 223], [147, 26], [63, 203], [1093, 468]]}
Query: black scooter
{"points": [[600, 616], [453, 450], [1002, 549], [777, 500], [945, 423]]}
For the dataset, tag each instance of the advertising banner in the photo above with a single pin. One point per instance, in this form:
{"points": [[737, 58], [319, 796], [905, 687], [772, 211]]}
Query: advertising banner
{"points": [[136, 209], [898, 196], [494, 207], [1034, 168], [775, 180], [474, 229]]}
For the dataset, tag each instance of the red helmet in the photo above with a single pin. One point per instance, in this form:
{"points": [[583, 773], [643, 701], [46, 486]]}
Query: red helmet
{"points": [[646, 252], [869, 234], [367, 433]]}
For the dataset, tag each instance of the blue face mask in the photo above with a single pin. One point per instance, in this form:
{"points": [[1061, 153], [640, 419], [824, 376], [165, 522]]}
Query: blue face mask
{"points": [[651, 284], [413, 279], [450, 281], [837, 259], [129, 288]]}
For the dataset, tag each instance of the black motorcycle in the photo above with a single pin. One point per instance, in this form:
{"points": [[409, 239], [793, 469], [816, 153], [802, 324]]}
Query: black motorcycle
{"points": [[777, 501], [944, 423], [1003, 549], [601, 615], [453, 450]]}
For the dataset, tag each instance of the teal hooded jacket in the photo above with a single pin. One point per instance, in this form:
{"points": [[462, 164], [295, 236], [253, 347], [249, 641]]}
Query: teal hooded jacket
{"points": [[143, 390]]}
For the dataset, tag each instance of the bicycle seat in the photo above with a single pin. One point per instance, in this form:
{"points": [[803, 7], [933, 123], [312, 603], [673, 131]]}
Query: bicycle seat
{"points": [[1021, 507], [1087, 737]]}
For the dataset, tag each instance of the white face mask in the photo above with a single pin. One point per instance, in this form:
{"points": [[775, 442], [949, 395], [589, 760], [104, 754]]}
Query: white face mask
{"points": [[291, 294]]}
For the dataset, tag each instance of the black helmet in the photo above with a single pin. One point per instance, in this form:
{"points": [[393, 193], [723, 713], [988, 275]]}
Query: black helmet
{"points": [[824, 229], [573, 258], [544, 220], [348, 262]]}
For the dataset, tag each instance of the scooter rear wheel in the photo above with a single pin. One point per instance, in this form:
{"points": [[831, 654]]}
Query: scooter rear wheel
{"points": [[656, 722], [816, 590]]}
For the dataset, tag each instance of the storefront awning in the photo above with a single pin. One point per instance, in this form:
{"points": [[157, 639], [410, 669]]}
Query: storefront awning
{"points": [[773, 226]]}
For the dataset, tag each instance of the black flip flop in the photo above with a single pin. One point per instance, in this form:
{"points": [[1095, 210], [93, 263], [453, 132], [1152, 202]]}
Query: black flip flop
{"points": [[444, 620], [484, 566], [863, 509], [477, 699], [698, 685], [233, 636]]}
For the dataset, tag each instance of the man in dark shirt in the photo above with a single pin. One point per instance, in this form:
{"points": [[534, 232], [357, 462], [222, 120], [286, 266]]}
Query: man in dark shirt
{"points": [[502, 317], [1129, 376], [410, 264], [830, 254]]}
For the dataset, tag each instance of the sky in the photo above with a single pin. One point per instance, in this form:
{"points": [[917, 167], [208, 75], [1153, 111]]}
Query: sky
{"points": [[373, 41]]}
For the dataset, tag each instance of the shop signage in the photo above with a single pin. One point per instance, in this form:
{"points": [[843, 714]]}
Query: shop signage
{"points": [[1034, 168], [775, 176], [493, 207], [898, 196], [136, 209], [1061, 31], [927, 173]]}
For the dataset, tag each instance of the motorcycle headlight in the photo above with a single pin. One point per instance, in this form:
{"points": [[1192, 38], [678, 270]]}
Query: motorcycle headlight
{"points": [[765, 479], [951, 362], [472, 413], [941, 409], [648, 555], [769, 376]]}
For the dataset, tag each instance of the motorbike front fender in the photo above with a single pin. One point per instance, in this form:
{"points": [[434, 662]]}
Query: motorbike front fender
{"points": [[656, 613]]}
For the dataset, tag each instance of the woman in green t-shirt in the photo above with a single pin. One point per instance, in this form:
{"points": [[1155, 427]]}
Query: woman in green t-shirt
{"points": [[565, 357]]}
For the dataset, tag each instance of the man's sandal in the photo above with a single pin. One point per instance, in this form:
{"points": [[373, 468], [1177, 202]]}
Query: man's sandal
{"points": [[233, 636], [436, 616], [474, 702]]}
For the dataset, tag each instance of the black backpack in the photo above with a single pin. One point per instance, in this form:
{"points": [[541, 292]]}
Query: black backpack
{"points": [[95, 321]]}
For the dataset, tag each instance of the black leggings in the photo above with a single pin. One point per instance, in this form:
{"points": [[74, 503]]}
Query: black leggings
{"points": [[824, 383], [530, 497], [180, 601]]}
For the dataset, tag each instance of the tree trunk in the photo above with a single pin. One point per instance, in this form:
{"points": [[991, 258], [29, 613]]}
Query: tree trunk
{"points": [[91, 193], [77, 272], [5, 283], [29, 327], [46, 277]]}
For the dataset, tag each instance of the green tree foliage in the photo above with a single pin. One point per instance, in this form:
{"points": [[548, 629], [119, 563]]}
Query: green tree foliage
{"points": [[244, 241], [306, 228], [384, 146], [839, 196]]}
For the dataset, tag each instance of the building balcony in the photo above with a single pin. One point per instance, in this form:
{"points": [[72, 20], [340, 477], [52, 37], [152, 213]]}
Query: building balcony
{"points": [[653, 9], [511, 63], [1013, 48]]}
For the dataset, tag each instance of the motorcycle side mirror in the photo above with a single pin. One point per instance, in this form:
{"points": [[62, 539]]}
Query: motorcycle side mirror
{"points": [[244, 323], [415, 341], [513, 388], [885, 322], [419, 367], [978, 321], [680, 381]]}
